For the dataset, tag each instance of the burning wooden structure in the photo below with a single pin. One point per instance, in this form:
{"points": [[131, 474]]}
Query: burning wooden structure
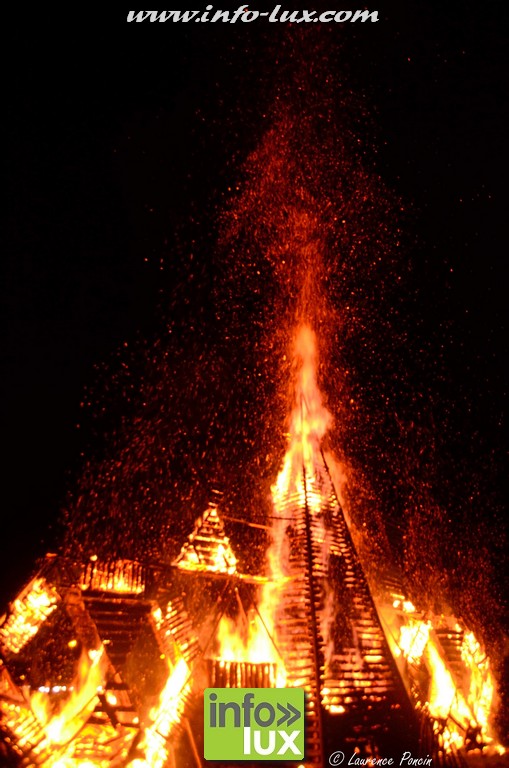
{"points": [[105, 664]]}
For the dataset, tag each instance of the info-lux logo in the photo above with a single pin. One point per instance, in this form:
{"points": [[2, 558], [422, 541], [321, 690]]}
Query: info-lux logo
{"points": [[254, 724]]}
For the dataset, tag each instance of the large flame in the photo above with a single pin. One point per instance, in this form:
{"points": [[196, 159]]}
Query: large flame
{"points": [[164, 717], [53, 723], [254, 638], [61, 726], [459, 703], [309, 421]]}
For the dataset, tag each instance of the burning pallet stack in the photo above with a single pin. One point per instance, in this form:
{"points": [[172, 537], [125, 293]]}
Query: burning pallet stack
{"points": [[99, 668], [330, 634], [104, 665]]}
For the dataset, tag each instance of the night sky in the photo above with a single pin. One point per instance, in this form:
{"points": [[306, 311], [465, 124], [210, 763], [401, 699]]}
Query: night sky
{"points": [[122, 144]]}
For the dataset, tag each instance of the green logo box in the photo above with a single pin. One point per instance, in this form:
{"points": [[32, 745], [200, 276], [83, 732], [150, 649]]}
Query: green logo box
{"points": [[254, 724]]}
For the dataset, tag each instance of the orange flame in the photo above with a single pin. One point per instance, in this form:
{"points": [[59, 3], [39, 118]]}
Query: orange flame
{"points": [[456, 702], [309, 421], [27, 613], [164, 717], [208, 547], [62, 726], [121, 577], [308, 424]]}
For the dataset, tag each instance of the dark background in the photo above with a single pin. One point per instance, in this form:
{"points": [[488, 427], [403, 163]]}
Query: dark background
{"points": [[122, 140]]}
